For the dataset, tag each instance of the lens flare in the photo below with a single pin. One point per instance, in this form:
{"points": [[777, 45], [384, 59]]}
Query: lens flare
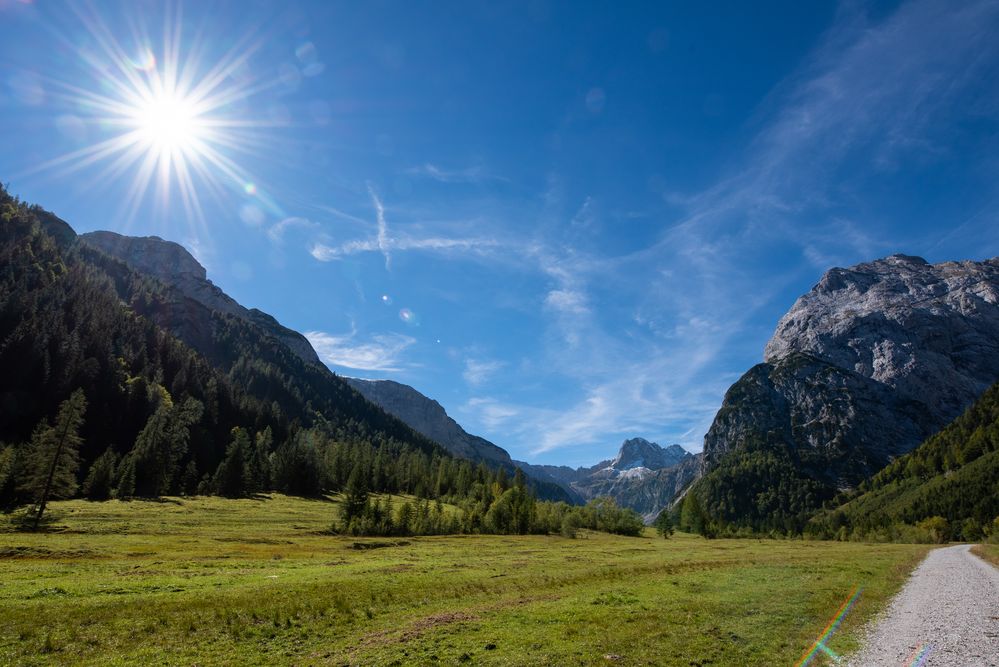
{"points": [[920, 655], [144, 60], [820, 643], [409, 317]]}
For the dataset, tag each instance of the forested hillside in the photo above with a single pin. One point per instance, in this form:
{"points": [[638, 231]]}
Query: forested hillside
{"points": [[949, 484]]}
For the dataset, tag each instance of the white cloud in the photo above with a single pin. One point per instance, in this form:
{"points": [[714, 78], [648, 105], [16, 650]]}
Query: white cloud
{"points": [[382, 238], [492, 413], [567, 301], [477, 371], [382, 352]]}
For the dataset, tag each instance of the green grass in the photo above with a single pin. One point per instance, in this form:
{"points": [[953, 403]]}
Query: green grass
{"points": [[987, 552], [209, 581]]}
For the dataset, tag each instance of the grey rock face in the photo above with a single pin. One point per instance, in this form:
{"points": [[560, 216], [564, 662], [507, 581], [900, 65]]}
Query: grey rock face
{"points": [[426, 416], [172, 264], [928, 331], [640, 453], [842, 426], [871, 361]]}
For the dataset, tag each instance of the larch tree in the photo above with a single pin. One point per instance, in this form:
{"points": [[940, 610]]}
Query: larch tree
{"points": [[53, 456]]}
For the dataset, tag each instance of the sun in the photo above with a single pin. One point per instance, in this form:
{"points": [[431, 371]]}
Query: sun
{"points": [[169, 124]]}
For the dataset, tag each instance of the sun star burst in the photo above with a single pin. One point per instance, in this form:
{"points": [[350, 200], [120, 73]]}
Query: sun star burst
{"points": [[170, 120]]}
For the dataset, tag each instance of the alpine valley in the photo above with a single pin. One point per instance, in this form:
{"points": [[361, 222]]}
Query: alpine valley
{"points": [[871, 362]]}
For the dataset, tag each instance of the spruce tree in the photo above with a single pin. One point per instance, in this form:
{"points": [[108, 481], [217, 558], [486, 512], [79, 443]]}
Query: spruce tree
{"points": [[260, 463], [232, 475], [53, 456], [664, 524], [101, 476], [161, 445], [356, 500]]}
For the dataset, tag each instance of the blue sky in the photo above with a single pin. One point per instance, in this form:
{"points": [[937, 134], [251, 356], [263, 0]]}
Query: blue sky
{"points": [[570, 223]]}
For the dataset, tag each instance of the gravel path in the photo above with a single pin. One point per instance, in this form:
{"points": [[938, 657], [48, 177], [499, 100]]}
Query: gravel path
{"points": [[946, 615]]}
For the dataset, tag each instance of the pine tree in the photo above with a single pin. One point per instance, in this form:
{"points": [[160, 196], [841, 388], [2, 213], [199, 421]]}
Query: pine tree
{"points": [[54, 456]]}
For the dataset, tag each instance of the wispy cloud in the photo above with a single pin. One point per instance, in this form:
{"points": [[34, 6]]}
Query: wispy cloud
{"points": [[381, 239], [567, 301], [474, 174], [277, 230], [478, 371], [641, 341], [386, 242], [381, 352], [328, 253]]}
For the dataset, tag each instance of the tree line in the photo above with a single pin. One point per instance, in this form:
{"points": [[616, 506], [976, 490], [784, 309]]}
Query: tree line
{"points": [[478, 499]]}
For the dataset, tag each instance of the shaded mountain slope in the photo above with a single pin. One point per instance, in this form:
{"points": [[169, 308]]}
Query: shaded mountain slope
{"points": [[428, 417], [954, 475]]}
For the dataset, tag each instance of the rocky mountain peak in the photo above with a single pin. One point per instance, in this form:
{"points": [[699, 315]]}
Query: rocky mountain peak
{"points": [[922, 329], [640, 453], [152, 255]]}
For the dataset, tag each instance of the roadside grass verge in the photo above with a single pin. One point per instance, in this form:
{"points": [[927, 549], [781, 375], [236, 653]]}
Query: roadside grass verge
{"points": [[987, 552]]}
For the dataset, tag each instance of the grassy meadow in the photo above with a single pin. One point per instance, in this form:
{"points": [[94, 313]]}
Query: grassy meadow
{"points": [[208, 581]]}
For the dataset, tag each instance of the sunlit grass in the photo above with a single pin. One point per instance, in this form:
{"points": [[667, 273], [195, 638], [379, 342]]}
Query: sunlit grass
{"points": [[212, 581], [988, 552]]}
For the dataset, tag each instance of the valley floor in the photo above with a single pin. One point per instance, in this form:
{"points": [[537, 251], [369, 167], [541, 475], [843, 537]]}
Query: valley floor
{"points": [[208, 581]]}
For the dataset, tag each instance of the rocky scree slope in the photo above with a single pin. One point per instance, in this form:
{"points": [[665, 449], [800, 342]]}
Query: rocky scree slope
{"points": [[865, 366]]}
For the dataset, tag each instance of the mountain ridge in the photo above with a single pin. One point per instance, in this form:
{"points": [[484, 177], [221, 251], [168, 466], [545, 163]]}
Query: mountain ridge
{"points": [[173, 264]]}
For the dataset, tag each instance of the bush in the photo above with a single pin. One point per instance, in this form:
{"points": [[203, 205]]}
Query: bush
{"points": [[937, 527]]}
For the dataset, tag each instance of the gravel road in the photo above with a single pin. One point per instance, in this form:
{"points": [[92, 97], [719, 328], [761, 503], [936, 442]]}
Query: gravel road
{"points": [[946, 615]]}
